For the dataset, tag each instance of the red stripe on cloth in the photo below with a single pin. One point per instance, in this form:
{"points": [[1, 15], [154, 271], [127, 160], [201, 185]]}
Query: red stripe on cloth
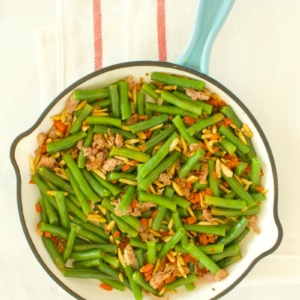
{"points": [[161, 30], [98, 51]]}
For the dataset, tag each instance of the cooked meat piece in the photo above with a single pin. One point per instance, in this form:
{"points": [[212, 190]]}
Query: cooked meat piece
{"points": [[47, 162], [194, 147], [142, 207], [203, 172], [52, 133], [79, 144], [70, 106], [99, 141], [221, 274], [207, 215], [131, 83], [129, 255], [164, 178], [119, 140], [133, 119], [196, 95], [110, 164], [41, 138]]}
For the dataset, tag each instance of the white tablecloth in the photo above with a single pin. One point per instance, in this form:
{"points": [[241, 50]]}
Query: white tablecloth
{"points": [[256, 55]]}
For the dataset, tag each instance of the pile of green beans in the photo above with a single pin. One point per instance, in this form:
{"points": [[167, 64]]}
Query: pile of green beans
{"points": [[194, 219]]}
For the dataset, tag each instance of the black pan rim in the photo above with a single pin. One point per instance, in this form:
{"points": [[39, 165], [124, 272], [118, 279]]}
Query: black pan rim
{"points": [[135, 64]]}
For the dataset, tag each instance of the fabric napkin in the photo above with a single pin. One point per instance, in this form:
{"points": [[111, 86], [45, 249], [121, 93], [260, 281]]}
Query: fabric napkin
{"points": [[92, 34]]}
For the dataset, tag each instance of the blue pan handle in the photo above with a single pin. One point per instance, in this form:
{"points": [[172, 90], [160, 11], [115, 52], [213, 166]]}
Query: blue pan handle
{"points": [[210, 17]]}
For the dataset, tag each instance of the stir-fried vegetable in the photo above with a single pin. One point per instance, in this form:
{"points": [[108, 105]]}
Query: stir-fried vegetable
{"points": [[146, 186]]}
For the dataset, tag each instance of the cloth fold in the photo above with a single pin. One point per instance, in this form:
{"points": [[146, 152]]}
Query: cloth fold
{"points": [[89, 35]]}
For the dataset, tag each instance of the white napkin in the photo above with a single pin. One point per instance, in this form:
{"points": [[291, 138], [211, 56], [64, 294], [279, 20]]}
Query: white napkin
{"points": [[92, 34]]}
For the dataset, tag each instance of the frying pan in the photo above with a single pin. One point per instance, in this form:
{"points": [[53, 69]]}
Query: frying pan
{"points": [[194, 61]]}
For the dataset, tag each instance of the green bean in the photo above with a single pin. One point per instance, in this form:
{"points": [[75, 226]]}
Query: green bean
{"points": [[95, 185], [129, 153], [140, 100], [102, 103], [255, 173], [103, 247], [62, 209], [70, 243], [225, 203], [87, 142], [229, 135], [127, 198], [190, 164], [258, 196], [115, 101], [124, 226], [111, 260], [51, 176], [91, 236], [180, 201], [79, 194], [228, 146], [117, 176], [54, 230], [159, 200], [104, 130], [178, 81], [212, 180], [124, 100], [52, 250], [253, 210], [95, 120], [231, 250], [86, 111], [91, 94], [205, 106], [79, 178], [240, 237], [50, 211], [170, 109], [189, 286], [204, 123], [181, 103], [159, 217], [145, 125], [86, 255], [139, 279], [177, 121], [86, 263], [177, 225], [234, 231], [75, 210], [136, 289], [227, 261], [105, 268], [202, 257], [90, 227], [65, 143], [155, 173], [151, 252], [190, 278], [210, 229], [161, 136], [43, 214], [159, 156], [150, 91], [113, 189], [139, 254], [240, 168], [238, 188], [207, 249], [175, 239], [135, 242]]}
